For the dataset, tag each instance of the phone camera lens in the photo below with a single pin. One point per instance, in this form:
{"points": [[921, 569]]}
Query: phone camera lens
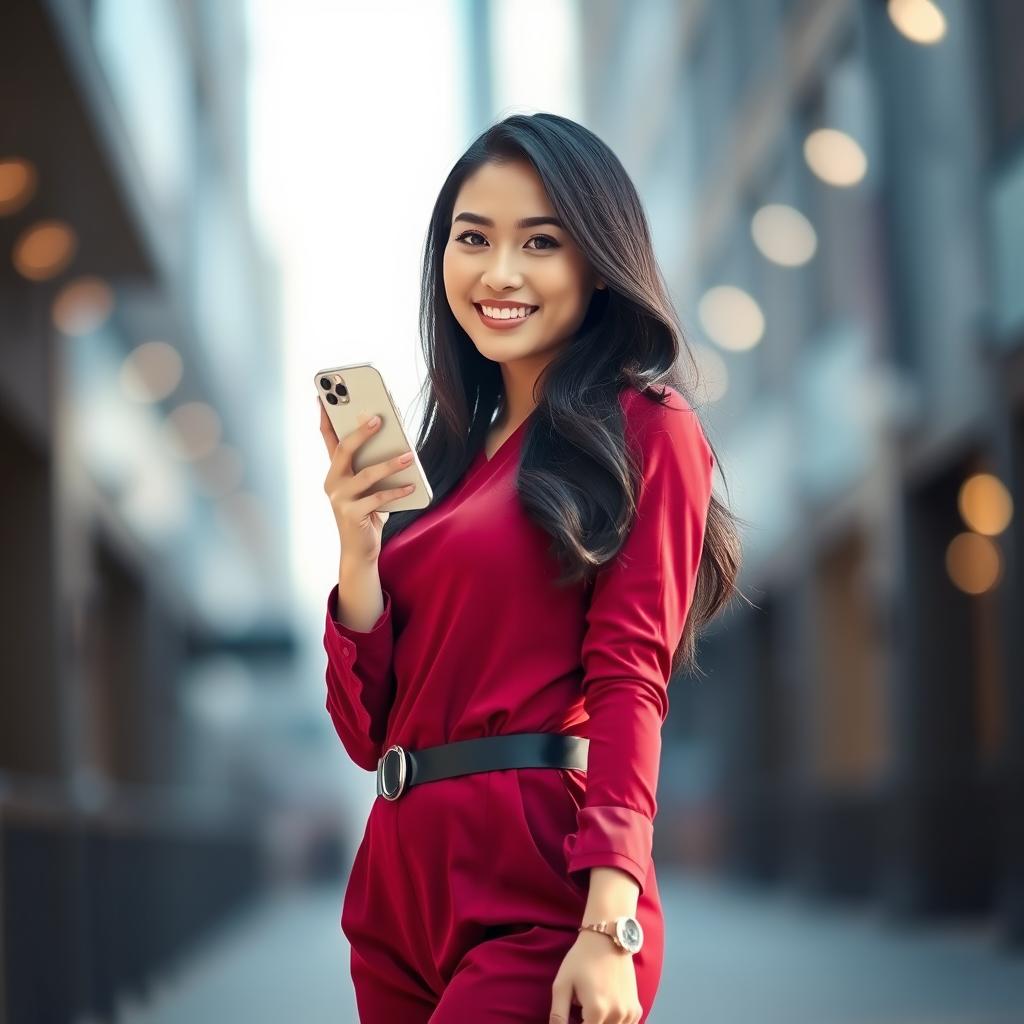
{"points": [[325, 383], [341, 389], [332, 400]]}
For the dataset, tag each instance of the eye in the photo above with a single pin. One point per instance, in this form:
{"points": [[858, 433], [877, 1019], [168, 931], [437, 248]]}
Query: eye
{"points": [[544, 238]]}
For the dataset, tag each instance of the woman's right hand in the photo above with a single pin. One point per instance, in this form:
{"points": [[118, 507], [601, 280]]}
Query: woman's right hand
{"points": [[357, 514]]}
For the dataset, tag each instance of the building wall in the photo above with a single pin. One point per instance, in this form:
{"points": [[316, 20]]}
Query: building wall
{"points": [[142, 523], [858, 727]]}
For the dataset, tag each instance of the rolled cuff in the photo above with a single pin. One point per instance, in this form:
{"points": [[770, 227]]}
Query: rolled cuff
{"points": [[611, 837], [360, 681], [379, 633]]}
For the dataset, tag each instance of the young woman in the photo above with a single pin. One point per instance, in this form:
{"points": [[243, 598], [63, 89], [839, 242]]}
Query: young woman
{"points": [[502, 658]]}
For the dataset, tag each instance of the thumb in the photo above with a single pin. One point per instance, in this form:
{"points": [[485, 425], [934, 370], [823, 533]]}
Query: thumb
{"points": [[561, 995]]}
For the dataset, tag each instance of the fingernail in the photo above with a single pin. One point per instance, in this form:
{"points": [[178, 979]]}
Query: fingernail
{"points": [[374, 420], [405, 457]]}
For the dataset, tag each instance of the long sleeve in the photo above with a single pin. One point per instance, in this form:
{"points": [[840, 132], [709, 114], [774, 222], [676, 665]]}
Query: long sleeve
{"points": [[638, 608], [360, 682]]}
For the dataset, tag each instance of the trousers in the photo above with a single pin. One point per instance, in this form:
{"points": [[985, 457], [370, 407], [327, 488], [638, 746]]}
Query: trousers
{"points": [[459, 905]]}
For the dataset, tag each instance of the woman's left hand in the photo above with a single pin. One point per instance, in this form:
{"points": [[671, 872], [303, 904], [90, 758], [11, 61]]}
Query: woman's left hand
{"points": [[602, 978]]}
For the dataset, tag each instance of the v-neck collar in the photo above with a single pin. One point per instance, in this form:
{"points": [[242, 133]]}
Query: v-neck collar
{"points": [[506, 446]]}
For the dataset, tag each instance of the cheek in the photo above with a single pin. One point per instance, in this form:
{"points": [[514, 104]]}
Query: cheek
{"points": [[447, 268], [451, 261], [561, 282], [456, 288], [562, 299]]}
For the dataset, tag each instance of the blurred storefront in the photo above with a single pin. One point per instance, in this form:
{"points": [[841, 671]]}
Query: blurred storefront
{"points": [[837, 194], [144, 593]]}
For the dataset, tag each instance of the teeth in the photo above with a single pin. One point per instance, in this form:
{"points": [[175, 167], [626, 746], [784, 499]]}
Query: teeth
{"points": [[506, 313]]}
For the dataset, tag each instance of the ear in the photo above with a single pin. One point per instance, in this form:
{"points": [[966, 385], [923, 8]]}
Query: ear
{"points": [[600, 284]]}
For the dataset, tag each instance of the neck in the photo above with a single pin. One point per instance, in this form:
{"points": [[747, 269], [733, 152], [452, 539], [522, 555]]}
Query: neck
{"points": [[517, 398]]}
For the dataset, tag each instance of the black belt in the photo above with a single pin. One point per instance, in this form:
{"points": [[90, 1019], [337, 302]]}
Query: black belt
{"points": [[399, 768]]}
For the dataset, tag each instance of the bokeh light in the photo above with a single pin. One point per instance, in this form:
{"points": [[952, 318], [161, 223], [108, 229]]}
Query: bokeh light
{"points": [[195, 430], [973, 563], [151, 372], [45, 249], [83, 305], [18, 182], [731, 317], [783, 234], [835, 157], [985, 504], [921, 21]]}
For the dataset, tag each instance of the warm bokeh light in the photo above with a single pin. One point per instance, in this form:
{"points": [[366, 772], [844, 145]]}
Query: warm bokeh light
{"points": [[920, 21], [83, 305], [985, 504], [835, 157], [973, 563], [195, 430], [712, 374], [18, 180], [731, 317], [151, 371], [220, 472], [44, 249], [783, 234]]}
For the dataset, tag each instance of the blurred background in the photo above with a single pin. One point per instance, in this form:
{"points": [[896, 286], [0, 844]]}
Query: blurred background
{"points": [[202, 202]]}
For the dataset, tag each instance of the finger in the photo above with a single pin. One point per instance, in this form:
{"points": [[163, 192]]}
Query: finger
{"points": [[560, 998], [364, 506], [327, 429], [341, 458], [369, 475]]}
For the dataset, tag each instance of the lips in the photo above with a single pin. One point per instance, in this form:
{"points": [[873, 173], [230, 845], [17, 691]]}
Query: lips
{"points": [[504, 325]]}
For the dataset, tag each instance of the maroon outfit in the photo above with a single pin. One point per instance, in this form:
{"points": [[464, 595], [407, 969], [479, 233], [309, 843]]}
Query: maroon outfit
{"points": [[466, 893]]}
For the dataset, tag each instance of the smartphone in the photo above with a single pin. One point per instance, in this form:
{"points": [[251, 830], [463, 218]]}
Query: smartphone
{"points": [[346, 391]]}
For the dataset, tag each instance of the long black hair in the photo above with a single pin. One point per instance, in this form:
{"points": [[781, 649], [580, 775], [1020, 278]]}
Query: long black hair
{"points": [[576, 477]]}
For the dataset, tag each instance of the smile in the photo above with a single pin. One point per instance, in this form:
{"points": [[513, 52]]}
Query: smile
{"points": [[514, 317]]}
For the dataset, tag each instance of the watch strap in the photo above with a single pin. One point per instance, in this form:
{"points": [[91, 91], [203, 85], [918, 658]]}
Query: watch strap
{"points": [[605, 928]]}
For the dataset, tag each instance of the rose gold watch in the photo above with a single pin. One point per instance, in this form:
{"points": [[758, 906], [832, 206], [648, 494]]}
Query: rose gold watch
{"points": [[626, 932]]}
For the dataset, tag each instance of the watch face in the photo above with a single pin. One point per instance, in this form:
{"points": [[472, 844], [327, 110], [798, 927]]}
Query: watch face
{"points": [[630, 933]]}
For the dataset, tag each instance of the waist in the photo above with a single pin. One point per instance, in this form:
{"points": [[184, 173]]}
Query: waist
{"points": [[399, 768]]}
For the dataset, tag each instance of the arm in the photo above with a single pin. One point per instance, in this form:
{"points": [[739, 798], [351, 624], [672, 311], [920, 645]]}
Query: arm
{"points": [[635, 619], [360, 679]]}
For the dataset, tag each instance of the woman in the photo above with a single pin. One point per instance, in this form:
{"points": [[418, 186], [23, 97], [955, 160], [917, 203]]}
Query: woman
{"points": [[508, 649]]}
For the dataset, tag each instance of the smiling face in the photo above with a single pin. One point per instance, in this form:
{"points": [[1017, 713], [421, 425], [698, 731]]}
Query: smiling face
{"points": [[490, 259]]}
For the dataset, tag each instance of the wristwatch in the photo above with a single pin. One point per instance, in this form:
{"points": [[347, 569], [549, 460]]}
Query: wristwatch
{"points": [[626, 932]]}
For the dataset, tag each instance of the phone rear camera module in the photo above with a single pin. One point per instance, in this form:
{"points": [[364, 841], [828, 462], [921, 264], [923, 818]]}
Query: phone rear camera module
{"points": [[331, 399], [325, 383]]}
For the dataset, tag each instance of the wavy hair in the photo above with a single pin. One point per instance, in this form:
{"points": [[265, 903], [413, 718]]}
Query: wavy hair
{"points": [[576, 478]]}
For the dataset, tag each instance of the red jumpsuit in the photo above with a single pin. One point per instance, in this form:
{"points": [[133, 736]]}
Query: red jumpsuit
{"points": [[466, 893]]}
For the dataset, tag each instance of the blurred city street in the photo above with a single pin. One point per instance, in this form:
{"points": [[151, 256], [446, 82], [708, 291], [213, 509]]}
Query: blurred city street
{"points": [[220, 218], [734, 956]]}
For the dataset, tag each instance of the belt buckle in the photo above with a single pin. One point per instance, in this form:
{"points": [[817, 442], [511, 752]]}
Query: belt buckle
{"points": [[381, 788]]}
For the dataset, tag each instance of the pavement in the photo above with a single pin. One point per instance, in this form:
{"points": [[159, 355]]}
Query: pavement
{"points": [[733, 956]]}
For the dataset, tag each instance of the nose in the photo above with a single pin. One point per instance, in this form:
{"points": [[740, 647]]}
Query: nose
{"points": [[501, 273]]}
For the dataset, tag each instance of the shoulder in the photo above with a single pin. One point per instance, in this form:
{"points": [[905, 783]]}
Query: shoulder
{"points": [[654, 423]]}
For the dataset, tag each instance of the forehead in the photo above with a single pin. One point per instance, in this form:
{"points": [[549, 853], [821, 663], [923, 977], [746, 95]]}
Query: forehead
{"points": [[504, 192]]}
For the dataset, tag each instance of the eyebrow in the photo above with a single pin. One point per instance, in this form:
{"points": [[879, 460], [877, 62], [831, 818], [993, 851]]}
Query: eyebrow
{"points": [[526, 222]]}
